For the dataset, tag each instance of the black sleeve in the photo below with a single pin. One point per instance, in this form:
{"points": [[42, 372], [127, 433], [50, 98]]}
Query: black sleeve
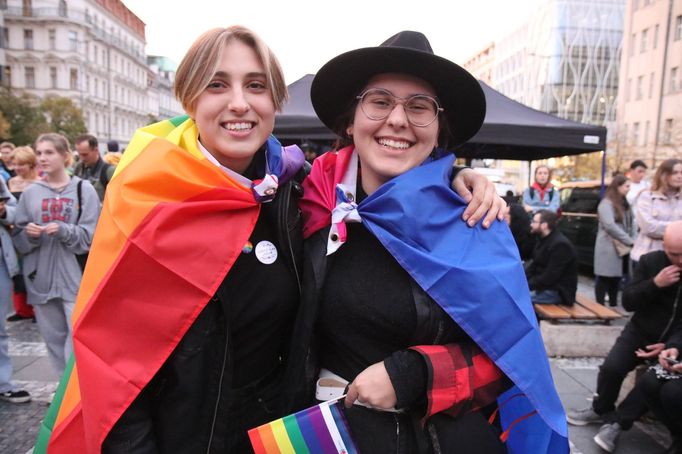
{"points": [[560, 258], [641, 290], [133, 433], [407, 372]]}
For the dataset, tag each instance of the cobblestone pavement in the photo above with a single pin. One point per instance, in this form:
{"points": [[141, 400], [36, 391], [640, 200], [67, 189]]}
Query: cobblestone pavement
{"points": [[19, 423]]}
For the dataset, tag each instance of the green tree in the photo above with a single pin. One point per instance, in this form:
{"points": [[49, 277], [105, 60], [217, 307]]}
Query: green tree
{"points": [[25, 120], [4, 126], [64, 117]]}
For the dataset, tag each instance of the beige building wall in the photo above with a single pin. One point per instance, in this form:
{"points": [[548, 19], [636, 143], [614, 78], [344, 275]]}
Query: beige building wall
{"points": [[649, 113], [481, 65]]}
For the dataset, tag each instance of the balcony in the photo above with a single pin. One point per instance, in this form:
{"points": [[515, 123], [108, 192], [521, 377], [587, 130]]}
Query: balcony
{"points": [[80, 17]]}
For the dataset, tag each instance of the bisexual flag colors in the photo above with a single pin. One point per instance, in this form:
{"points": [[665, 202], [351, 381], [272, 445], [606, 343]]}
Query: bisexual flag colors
{"points": [[321, 429]]}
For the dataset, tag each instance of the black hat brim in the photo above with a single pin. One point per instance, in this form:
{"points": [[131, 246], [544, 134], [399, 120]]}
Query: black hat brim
{"points": [[341, 79]]}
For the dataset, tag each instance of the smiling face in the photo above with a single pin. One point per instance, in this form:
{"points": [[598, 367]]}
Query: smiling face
{"points": [[22, 169], [392, 146], [49, 159], [235, 114]]}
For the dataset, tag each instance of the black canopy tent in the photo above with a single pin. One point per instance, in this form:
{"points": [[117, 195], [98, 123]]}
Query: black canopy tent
{"points": [[510, 130]]}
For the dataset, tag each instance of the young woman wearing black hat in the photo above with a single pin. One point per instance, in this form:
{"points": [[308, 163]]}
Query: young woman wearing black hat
{"points": [[422, 316]]}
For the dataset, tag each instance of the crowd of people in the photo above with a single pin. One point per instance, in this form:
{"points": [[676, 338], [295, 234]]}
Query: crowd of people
{"points": [[271, 266]]}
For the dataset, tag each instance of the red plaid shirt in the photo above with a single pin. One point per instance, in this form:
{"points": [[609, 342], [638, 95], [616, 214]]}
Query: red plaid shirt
{"points": [[461, 378]]}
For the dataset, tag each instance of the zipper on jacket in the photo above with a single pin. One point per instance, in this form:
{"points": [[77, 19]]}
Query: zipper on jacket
{"points": [[397, 434], [287, 236], [220, 388]]}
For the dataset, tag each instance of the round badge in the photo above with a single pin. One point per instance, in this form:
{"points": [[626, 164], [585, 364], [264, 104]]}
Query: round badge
{"points": [[266, 252]]}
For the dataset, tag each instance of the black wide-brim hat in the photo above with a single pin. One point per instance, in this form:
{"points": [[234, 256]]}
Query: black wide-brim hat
{"points": [[341, 79]]}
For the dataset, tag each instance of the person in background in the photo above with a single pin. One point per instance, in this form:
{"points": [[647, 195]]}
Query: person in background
{"points": [[654, 297], [615, 237], [541, 194], [6, 171], [90, 164], [553, 273], [24, 162], [638, 182], [662, 386], [657, 207], [519, 224], [9, 267], [51, 227]]}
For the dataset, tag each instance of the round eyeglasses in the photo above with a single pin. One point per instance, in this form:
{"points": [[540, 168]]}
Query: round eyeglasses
{"points": [[377, 104]]}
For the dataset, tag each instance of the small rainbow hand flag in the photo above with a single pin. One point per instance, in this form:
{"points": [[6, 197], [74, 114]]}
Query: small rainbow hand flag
{"points": [[321, 429]]}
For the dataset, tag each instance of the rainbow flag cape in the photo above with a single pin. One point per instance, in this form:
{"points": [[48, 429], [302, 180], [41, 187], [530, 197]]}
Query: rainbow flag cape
{"points": [[151, 272], [321, 429]]}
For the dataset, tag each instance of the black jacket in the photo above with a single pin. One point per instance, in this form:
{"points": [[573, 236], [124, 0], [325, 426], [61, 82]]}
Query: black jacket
{"points": [[656, 309], [184, 408], [554, 266]]}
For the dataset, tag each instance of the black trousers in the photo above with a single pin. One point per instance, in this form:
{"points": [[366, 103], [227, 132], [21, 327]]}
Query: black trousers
{"points": [[620, 360], [664, 397], [606, 285]]}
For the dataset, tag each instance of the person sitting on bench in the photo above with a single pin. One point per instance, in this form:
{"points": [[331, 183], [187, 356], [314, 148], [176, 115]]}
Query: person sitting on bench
{"points": [[553, 273], [654, 296]]}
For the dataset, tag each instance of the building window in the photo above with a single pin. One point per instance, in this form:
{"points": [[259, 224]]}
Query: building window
{"points": [[678, 28], [73, 79], [633, 43], [5, 37], [52, 39], [28, 39], [62, 8], [73, 40], [635, 134], [3, 4], [646, 132], [644, 41], [651, 85], [87, 84], [668, 131], [27, 8], [655, 36], [640, 83], [674, 85], [30, 77], [53, 77]]}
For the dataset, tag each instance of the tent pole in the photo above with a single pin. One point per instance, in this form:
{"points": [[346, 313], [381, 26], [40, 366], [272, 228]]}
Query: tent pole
{"points": [[603, 174]]}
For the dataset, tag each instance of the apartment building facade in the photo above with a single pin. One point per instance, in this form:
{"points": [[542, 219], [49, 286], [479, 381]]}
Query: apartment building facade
{"points": [[649, 120], [91, 51]]}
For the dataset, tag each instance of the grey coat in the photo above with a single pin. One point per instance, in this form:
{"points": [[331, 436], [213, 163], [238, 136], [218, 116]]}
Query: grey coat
{"points": [[9, 255], [606, 259]]}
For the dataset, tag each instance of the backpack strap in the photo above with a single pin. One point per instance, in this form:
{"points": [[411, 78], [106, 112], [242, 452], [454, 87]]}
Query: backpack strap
{"points": [[79, 185]]}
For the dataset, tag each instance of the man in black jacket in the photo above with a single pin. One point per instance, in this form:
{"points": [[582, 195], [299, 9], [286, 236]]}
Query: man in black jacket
{"points": [[553, 273], [654, 296]]}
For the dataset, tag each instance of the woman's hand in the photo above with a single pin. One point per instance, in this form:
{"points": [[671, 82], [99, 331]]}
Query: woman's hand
{"points": [[51, 229], [481, 197], [373, 387], [651, 351], [33, 230]]}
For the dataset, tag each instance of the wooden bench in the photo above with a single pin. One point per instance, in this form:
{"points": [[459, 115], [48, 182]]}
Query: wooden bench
{"points": [[584, 309]]}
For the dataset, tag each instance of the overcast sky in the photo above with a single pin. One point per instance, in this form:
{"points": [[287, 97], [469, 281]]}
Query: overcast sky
{"points": [[304, 34]]}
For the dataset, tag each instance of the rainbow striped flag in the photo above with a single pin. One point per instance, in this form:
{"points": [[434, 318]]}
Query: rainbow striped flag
{"points": [[151, 272], [321, 429]]}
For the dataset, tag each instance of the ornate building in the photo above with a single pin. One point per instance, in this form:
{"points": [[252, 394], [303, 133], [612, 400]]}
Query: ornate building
{"points": [[91, 51]]}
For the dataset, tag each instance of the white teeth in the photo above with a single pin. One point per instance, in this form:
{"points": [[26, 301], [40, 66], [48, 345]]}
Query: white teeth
{"points": [[238, 126], [394, 143]]}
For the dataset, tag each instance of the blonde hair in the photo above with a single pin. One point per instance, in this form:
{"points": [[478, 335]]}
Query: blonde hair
{"points": [[26, 155], [60, 143], [200, 64], [112, 157]]}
